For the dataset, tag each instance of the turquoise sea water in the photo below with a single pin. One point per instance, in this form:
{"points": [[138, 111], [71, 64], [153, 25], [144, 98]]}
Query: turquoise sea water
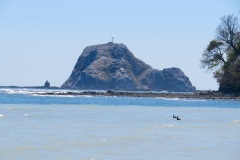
{"points": [[112, 128]]}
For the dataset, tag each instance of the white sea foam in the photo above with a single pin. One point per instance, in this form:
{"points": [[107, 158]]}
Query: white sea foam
{"points": [[103, 140], [194, 100], [87, 96], [236, 121], [24, 115], [1, 115], [34, 92], [7, 91], [168, 99], [167, 125], [181, 99], [16, 91], [67, 96]]}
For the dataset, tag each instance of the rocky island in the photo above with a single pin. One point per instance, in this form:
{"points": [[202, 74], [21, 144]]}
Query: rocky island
{"points": [[113, 66]]}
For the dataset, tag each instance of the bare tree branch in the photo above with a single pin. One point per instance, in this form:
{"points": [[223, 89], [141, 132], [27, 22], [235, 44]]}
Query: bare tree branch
{"points": [[228, 32]]}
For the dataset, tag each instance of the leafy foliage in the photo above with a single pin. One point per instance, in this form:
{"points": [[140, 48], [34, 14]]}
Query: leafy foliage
{"points": [[213, 55], [222, 55]]}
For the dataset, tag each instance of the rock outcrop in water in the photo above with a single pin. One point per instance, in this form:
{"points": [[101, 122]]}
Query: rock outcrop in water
{"points": [[112, 66]]}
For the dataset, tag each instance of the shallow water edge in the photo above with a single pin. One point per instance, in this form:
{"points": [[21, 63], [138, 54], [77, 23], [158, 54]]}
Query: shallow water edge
{"points": [[192, 95]]}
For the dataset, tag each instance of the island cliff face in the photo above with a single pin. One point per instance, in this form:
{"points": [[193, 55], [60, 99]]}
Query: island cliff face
{"points": [[112, 66]]}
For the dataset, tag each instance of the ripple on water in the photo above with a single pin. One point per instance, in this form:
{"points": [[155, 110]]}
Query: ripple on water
{"points": [[236, 121], [25, 115]]}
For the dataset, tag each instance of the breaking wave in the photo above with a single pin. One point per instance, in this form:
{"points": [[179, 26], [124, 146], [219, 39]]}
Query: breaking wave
{"points": [[181, 99], [16, 91]]}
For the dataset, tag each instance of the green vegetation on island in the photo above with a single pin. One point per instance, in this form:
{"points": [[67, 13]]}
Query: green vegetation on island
{"points": [[222, 55]]}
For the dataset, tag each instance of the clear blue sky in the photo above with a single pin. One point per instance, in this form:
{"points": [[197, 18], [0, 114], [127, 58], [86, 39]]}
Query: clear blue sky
{"points": [[42, 39]]}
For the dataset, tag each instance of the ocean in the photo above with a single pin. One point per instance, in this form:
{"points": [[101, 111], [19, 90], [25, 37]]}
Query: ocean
{"points": [[37, 127]]}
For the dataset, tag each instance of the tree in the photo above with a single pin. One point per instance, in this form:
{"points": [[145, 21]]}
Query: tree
{"points": [[228, 33], [213, 55], [222, 55]]}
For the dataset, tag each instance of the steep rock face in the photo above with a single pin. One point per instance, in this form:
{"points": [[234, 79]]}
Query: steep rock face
{"points": [[171, 79], [112, 66]]}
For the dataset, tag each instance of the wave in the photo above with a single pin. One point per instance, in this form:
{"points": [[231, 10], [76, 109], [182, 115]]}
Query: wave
{"points": [[61, 96], [167, 125], [103, 140], [7, 91], [181, 99], [35, 92], [194, 100], [25, 115], [43, 92], [16, 91], [236, 121], [1, 115], [87, 96], [168, 99]]}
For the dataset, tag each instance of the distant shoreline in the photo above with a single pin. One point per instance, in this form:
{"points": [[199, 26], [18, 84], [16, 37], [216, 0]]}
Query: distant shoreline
{"points": [[212, 95]]}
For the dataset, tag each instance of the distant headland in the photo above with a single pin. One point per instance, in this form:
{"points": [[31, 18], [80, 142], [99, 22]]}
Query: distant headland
{"points": [[46, 85]]}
